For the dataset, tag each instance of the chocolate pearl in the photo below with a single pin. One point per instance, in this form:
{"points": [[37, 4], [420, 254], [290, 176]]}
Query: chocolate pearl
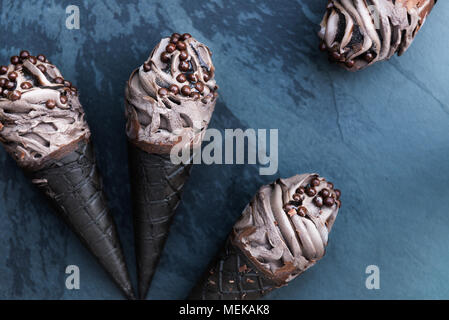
{"points": [[10, 85], [325, 193], [184, 66], [26, 85], [206, 76], [5, 92], [41, 58], [146, 67], [300, 190], [174, 89], [67, 83], [337, 193], [59, 80], [200, 87], [175, 38], [42, 68], [191, 77], [50, 104], [318, 201], [181, 78], [15, 60], [185, 90], [24, 54], [13, 76], [32, 59], [195, 95], [338, 202], [181, 45], [297, 197], [368, 57], [311, 192], [3, 82], [183, 55], [315, 182], [162, 91], [3, 70], [350, 63], [63, 99], [15, 95], [186, 36], [165, 57], [323, 46], [170, 48], [302, 211], [330, 185], [288, 207], [329, 201]]}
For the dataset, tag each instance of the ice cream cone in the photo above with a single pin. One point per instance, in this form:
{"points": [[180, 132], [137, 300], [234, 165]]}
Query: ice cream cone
{"points": [[281, 233], [169, 102], [357, 34], [44, 130]]}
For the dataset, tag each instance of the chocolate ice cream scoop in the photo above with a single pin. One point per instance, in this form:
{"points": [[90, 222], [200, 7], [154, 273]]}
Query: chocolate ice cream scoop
{"points": [[40, 113], [357, 33], [172, 95]]}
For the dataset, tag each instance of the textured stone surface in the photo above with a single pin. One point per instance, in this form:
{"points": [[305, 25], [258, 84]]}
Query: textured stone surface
{"points": [[381, 135]]}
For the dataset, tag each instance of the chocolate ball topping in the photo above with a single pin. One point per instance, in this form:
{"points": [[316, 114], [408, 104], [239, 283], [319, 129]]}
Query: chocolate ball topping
{"points": [[162, 92], [63, 99], [32, 59], [315, 182], [3, 70], [329, 201], [310, 191], [42, 68], [170, 48], [41, 58], [200, 87], [146, 67], [318, 201], [302, 211], [184, 66], [191, 77], [50, 104], [174, 89], [165, 57], [59, 80], [185, 90], [181, 78], [186, 36], [183, 55], [15, 60], [13, 76], [195, 95], [24, 54], [337, 193], [181, 45], [15, 95], [26, 85], [206, 76]]}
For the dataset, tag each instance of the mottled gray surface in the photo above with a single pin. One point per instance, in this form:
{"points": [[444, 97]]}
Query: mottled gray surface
{"points": [[381, 135]]}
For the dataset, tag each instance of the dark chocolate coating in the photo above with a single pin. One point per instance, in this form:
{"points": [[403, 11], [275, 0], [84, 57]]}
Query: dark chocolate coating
{"points": [[156, 188], [74, 187], [232, 276]]}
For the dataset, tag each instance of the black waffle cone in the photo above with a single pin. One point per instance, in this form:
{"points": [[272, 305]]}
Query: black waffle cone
{"points": [[156, 188], [74, 186], [232, 276]]}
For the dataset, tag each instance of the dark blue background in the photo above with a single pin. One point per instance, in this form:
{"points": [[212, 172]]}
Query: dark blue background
{"points": [[381, 135]]}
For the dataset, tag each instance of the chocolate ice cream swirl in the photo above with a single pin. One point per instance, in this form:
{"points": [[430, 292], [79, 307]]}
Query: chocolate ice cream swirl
{"points": [[358, 33], [285, 228], [40, 114], [172, 95]]}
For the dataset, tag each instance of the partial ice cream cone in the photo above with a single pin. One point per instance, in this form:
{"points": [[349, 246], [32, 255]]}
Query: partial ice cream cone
{"points": [[44, 130], [169, 102], [357, 33], [281, 233]]}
